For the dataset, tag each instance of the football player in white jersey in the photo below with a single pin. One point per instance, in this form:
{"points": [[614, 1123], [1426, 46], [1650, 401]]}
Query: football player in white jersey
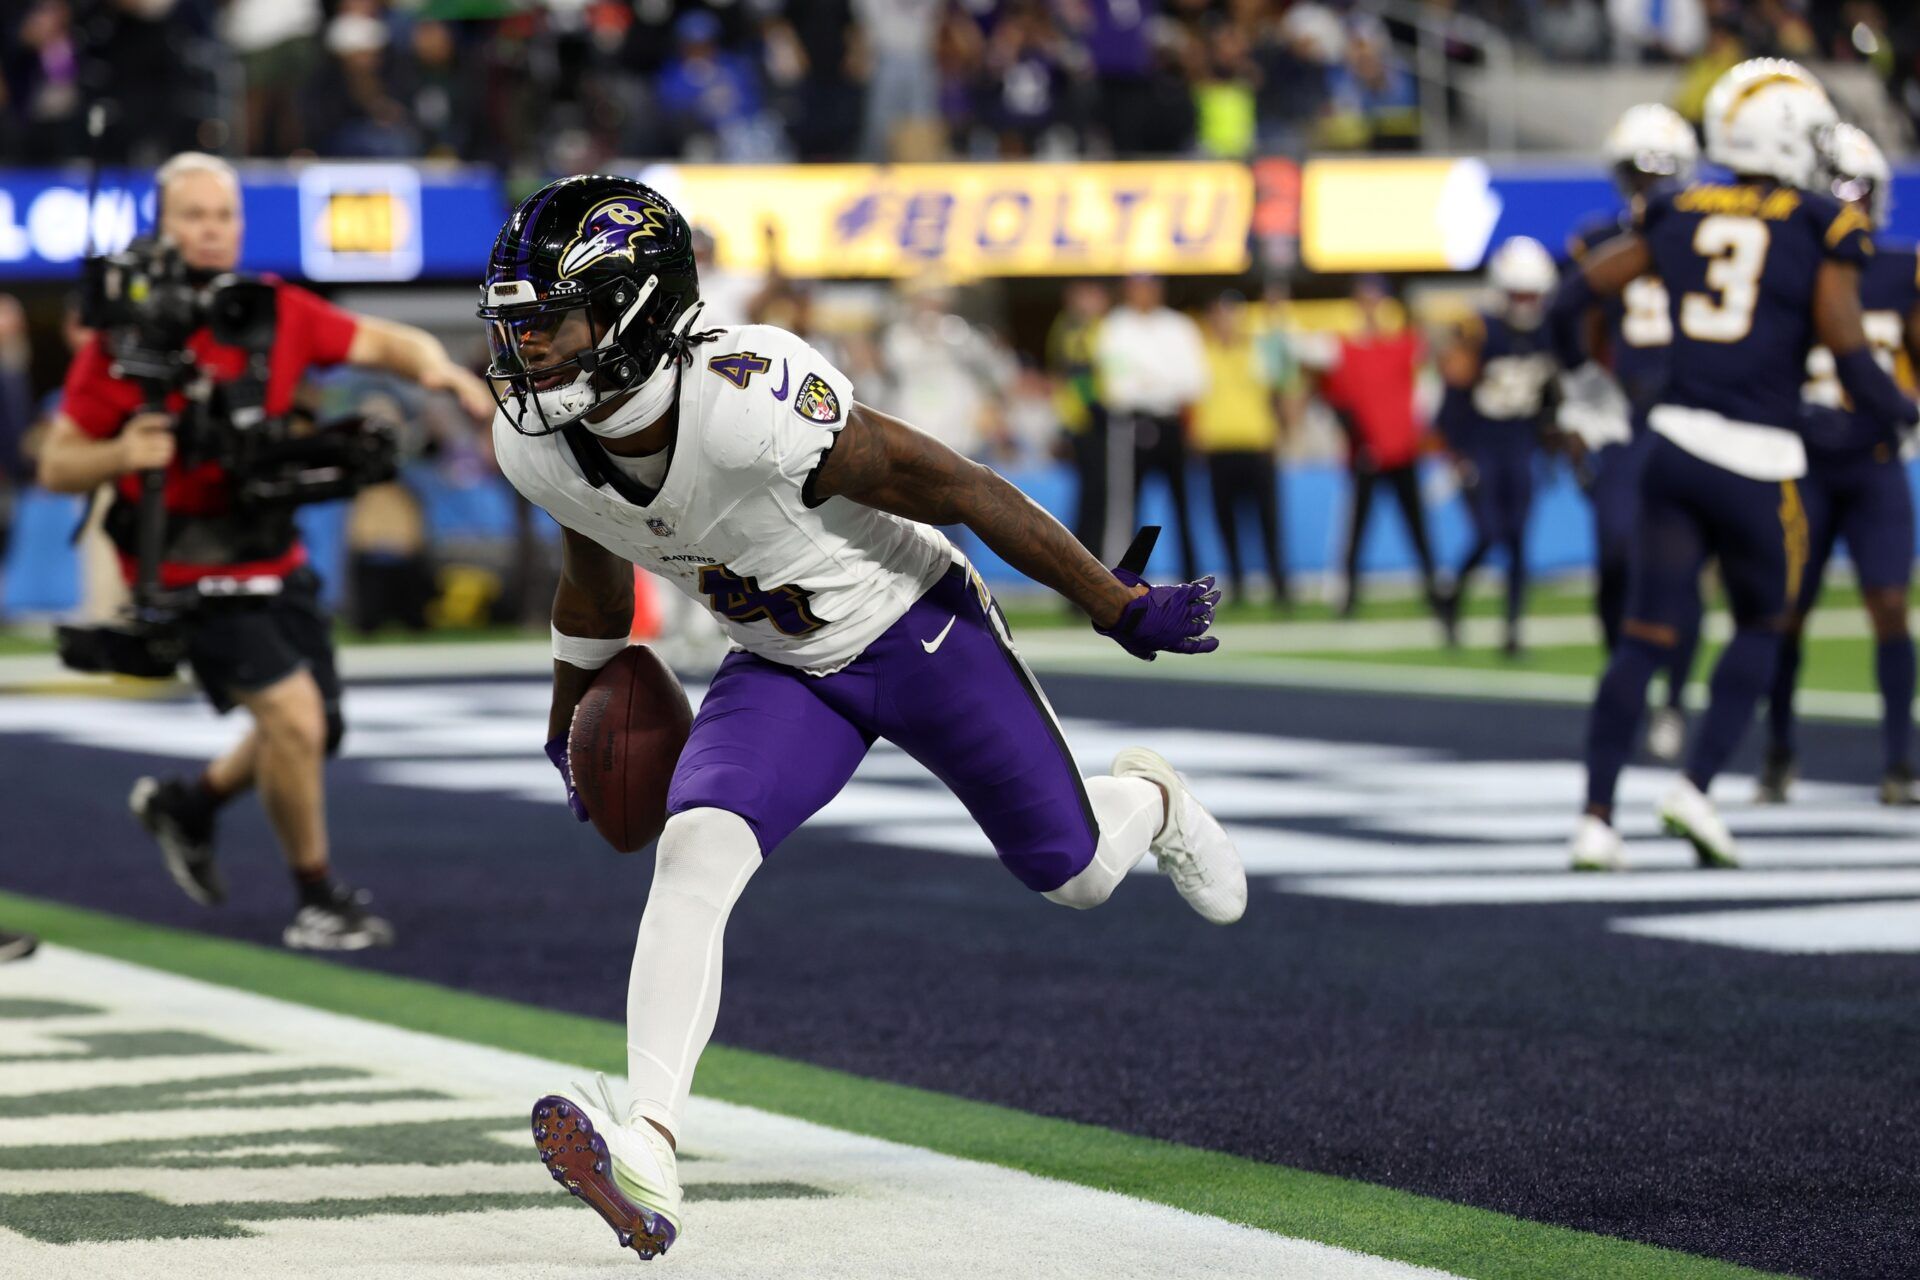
{"points": [[736, 464]]}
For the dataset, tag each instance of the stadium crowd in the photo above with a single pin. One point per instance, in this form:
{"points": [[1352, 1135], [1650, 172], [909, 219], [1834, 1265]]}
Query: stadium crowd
{"points": [[564, 85]]}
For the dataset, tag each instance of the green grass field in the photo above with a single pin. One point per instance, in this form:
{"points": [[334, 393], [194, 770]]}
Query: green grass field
{"points": [[1360, 1216]]}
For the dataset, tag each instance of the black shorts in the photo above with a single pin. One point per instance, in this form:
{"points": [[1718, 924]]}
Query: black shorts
{"points": [[241, 646]]}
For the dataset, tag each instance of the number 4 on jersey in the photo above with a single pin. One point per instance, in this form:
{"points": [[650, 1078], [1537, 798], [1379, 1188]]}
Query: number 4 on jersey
{"points": [[739, 599], [739, 367]]}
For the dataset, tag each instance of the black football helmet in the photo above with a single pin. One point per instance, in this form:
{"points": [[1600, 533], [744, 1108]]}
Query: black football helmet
{"points": [[587, 287]]}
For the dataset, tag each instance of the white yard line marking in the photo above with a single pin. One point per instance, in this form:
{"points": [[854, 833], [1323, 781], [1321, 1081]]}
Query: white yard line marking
{"points": [[1827, 930], [1626, 886], [877, 1209]]}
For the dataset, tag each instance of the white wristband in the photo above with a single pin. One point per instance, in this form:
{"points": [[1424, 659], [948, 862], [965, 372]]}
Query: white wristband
{"points": [[584, 653]]}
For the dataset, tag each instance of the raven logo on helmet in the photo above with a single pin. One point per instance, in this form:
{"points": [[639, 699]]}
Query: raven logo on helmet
{"points": [[610, 230]]}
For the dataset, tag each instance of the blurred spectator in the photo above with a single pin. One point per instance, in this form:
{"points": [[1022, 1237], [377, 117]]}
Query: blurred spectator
{"points": [[1658, 30], [819, 84], [1152, 368], [1374, 100], [42, 72], [1116, 35], [274, 40], [1724, 48], [1223, 97], [945, 376], [352, 108], [1167, 115], [16, 413], [1295, 55], [1025, 76], [728, 295], [960, 61], [1568, 30], [1237, 429], [1072, 347], [901, 96], [439, 91], [1370, 386], [711, 97], [1863, 34], [1033, 426]]}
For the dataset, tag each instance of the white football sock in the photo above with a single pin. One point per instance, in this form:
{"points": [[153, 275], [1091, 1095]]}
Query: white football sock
{"points": [[673, 993], [1130, 812]]}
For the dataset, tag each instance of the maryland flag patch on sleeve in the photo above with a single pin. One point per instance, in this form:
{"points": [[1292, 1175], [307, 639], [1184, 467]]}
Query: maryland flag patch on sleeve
{"points": [[816, 402]]}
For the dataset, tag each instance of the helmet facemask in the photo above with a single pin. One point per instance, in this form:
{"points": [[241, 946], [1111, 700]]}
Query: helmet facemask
{"points": [[557, 358]]}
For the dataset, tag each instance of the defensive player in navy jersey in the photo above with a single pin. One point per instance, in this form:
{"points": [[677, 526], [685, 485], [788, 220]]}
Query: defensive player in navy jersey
{"points": [[1856, 486], [1757, 269], [1650, 149], [1499, 371]]}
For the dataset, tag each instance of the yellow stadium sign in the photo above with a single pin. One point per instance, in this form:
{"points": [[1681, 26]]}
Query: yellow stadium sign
{"points": [[1396, 215], [970, 220], [360, 221]]}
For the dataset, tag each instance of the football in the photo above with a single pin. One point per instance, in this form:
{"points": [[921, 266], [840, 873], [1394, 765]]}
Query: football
{"points": [[623, 743]]}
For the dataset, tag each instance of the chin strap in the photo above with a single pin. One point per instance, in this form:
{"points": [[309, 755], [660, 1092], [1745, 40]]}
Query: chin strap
{"points": [[654, 396]]}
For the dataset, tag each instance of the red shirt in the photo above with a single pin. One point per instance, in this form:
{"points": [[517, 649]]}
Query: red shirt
{"points": [[1372, 384], [311, 333]]}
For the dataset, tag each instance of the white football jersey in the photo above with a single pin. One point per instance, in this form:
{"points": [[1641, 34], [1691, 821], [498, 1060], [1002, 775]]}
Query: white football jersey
{"points": [[804, 586]]}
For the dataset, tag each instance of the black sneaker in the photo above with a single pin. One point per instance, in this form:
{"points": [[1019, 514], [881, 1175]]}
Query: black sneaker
{"points": [[16, 946], [183, 824], [1446, 608], [1776, 777], [343, 924], [1896, 788]]}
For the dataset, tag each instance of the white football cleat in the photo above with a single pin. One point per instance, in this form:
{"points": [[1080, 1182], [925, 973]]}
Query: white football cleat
{"points": [[1191, 847], [1666, 734], [1686, 811], [626, 1174], [1596, 846]]}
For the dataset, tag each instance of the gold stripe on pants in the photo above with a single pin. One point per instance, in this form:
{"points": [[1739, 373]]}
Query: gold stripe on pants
{"points": [[1793, 531]]}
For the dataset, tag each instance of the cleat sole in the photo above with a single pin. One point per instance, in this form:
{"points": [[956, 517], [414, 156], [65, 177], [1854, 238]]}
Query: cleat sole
{"points": [[577, 1158]]}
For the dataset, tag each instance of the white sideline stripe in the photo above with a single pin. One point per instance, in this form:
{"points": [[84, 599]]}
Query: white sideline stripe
{"points": [[1626, 886], [1070, 651], [893, 1212], [1832, 930]]}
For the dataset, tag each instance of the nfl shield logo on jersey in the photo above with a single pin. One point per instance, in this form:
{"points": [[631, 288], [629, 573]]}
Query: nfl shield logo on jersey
{"points": [[816, 402], [661, 529]]}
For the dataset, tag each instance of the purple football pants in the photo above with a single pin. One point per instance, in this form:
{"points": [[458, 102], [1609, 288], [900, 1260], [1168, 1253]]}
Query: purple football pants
{"points": [[774, 744]]}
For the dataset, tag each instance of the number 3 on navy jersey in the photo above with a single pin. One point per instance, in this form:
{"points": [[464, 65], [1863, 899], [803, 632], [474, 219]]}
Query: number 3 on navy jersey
{"points": [[1736, 249]]}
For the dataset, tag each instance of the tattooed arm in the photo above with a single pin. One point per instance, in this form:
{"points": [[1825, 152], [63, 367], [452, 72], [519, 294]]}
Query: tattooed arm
{"points": [[593, 601], [882, 462]]}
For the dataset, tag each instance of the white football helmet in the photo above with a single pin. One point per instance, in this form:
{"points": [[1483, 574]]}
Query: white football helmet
{"points": [[1857, 170], [1652, 141], [1522, 271], [1765, 117]]}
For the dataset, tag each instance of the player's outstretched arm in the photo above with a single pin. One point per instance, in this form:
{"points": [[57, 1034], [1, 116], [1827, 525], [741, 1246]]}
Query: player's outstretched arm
{"points": [[881, 462], [1837, 323], [1604, 273]]}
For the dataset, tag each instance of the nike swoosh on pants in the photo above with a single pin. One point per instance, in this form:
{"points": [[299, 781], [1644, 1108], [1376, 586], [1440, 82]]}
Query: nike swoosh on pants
{"points": [[935, 643]]}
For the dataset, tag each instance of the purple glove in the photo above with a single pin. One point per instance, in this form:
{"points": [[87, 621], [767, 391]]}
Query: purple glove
{"points": [[557, 752], [1172, 619]]}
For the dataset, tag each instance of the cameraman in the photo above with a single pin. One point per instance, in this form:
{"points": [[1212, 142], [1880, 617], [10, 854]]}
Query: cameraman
{"points": [[270, 648]]}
